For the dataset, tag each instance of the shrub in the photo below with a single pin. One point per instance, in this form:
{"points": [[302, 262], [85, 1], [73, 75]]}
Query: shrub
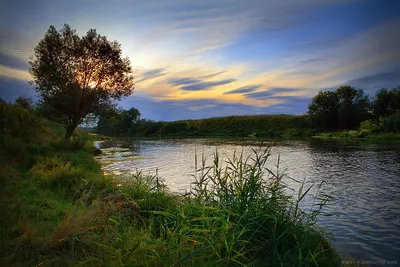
{"points": [[391, 123], [369, 126]]}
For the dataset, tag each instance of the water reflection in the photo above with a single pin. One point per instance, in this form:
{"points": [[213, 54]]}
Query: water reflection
{"points": [[364, 180]]}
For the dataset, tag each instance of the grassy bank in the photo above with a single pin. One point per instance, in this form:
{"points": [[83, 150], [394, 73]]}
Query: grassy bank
{"points": [[232, 126], [384, 128], [59, 209], [359, 135]]}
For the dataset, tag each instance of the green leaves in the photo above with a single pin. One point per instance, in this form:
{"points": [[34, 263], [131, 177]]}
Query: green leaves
{"points": [[75, 76], [344, 108]]}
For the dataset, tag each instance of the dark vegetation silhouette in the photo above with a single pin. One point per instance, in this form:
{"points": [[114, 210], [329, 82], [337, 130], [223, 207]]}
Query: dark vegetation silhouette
{"points": [[76, 76], [342, 109], [346, 108]]}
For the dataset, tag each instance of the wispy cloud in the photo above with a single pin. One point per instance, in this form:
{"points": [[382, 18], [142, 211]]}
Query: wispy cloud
{"points": [[12, 88], [236, 56], [183, 81], [151, 74], [371, 83], [212, 74], [270, 93], [16, 74], [244, 89], [12, 61], [206, 85]]}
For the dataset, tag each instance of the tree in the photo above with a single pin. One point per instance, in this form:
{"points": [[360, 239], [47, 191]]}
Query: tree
{"points": [[120, 122], [25, 102], [323, 110], [386, 102], [344, 108], [353, 107], [76, 76], [129, 119]]}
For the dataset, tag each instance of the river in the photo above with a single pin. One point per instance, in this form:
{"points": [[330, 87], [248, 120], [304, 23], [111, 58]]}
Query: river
{"points": [[362, 178]]}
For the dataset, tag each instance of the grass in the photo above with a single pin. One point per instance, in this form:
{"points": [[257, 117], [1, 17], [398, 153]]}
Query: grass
{"points": [[384, 128], [232, 126], [61, 210], [360, 134]]}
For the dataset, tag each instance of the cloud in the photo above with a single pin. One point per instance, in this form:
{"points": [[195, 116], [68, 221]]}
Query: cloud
{"points": [[151, 74], [312, 60], [11, 89], [182, 81], [169, 110], [282, 45], [373, 82], [291, 104], [206, 85], [16, 74], [213, 74], [270, 93], [244, 89], [12, 61]]}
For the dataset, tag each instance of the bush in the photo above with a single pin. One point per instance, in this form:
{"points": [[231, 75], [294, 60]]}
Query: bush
{"points": [[369, 126], [391, 123]]}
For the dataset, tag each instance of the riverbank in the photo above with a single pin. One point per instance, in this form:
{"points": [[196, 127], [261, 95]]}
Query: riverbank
{"points": [[63, 211], [250, 127], [232, 126], [360, 135]]}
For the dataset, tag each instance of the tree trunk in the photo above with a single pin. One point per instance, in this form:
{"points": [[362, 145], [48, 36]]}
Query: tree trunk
{"points": [[70, 130]]}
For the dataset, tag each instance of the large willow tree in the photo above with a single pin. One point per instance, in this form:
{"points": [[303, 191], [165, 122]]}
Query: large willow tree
{"points": [[76, 76]]}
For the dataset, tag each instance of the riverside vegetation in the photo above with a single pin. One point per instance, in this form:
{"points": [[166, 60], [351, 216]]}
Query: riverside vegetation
{"points": [[344, 113], [59, 209]]}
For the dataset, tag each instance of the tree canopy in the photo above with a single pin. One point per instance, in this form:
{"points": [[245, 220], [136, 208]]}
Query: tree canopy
{"points": [[76, 76], [344, 108], [119, 122], [386, 102]]}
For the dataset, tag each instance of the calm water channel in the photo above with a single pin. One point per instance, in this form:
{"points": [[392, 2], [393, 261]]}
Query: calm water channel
{"points": [[363, 178]]}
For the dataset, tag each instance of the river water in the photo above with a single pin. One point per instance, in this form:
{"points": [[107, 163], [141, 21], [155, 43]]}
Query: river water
{"points": [[362, 178]]}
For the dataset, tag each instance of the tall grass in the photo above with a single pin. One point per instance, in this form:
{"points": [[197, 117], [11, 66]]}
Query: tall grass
{"points": [[266, 226]]}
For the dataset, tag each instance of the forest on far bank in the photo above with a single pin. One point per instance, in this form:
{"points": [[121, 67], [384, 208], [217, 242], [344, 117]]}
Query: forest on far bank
{"points": [[345, 109]]}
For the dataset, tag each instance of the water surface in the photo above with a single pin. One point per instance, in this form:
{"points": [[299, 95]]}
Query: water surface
{"points": [[363, 178]]}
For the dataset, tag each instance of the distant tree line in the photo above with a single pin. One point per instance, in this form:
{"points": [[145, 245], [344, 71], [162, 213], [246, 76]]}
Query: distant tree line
{"points": [[347, 108], [232, 126]]}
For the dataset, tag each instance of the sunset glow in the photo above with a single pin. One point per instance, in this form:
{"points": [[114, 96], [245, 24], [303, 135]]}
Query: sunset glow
{"points": [[217, 58]]}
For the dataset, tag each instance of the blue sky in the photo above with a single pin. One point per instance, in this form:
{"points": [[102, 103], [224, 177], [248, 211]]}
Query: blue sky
{"points": [[197, 59]]}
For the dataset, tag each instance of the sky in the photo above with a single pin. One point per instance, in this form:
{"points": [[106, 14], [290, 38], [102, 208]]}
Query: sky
{"points": [[211, 58]]}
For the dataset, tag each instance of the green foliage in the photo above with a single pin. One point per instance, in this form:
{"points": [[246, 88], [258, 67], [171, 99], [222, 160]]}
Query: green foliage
{"points": [[263, 225], [323, 110], [353, 107], [369, 126], [62, 211], [119, 123], [385, 129], [344, 108], [76, 76], [26, 103], [235, 126], [386, 102], [390, 123]]}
